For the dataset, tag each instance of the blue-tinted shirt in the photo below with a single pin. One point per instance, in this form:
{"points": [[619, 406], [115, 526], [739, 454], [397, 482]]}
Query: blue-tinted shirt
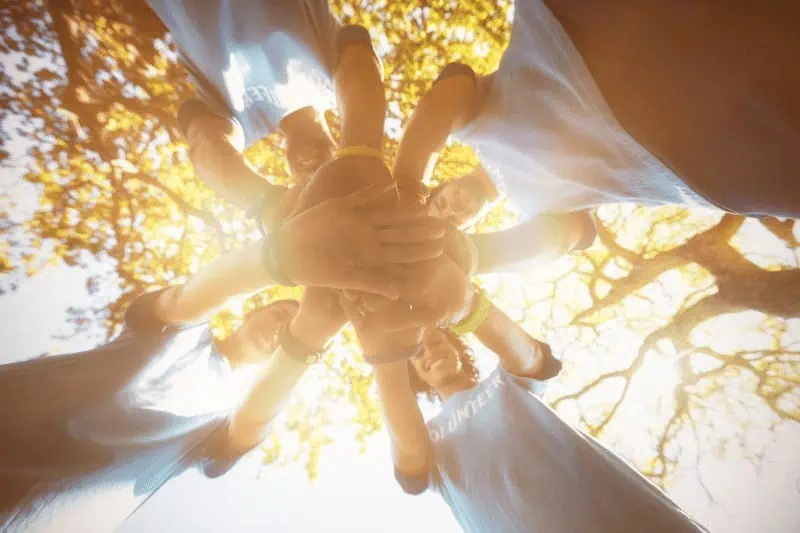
{"points": [[548, 139], [255, 61], [88, 437], [505, 462]]}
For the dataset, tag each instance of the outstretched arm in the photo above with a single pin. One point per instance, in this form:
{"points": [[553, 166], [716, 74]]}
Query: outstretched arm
{"points": [[216, 144], [518, 351], [411, 445], [447, 106], [360, 93], [542, 239], [280, 372], [235, 273]]}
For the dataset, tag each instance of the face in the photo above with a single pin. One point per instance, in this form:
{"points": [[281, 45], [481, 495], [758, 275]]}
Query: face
{"points": [[308, 153], [439, 362], [258, 337], [456, 202]]}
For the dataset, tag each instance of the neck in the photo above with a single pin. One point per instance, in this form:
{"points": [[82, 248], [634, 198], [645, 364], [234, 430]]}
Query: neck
{"points": [[458, 384]]}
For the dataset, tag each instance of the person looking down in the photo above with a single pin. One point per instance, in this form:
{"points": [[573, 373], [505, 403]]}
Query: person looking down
{"points": [[111, 425], [500, 458], [258, 68], [563, 125]]}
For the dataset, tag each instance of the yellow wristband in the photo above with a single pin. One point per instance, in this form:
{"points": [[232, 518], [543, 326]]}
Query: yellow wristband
{"points": [[476, 318], [473, 255], [351, 151]]}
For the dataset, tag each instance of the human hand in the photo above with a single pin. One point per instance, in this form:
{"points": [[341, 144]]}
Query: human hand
{"points": [[434, 293], [319, 318], [280, 206], [375, 341], [412, 193], [340, 242]]}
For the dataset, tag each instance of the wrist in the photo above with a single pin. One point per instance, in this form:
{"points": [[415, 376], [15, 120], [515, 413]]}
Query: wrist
{"points": [[272, 252], [478, 312], [309, 333]]}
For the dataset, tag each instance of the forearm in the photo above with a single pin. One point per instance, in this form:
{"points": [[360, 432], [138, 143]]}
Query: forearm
{"points": [[225, 169], [235, 273], [319, 318], [446, 107], [519, 352], [406, 426], [531, 244], [216, 144], [251, 421], [359, 89]]}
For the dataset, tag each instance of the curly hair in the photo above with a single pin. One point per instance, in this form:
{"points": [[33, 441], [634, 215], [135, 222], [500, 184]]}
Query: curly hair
{"points": [[468, 367]]}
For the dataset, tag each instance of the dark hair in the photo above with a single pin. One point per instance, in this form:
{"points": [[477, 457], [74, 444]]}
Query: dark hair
{"points": [[468, 366]]}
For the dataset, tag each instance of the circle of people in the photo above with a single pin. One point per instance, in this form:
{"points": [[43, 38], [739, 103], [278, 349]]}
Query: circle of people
{"points": [[592, 103]]}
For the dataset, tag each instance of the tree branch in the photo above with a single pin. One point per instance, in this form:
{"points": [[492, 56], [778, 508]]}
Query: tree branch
{"points": [[187, 208]]}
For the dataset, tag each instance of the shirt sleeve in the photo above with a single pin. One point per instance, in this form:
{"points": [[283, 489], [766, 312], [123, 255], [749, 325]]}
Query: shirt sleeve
{"points": [[354, 35], [220, 457], [194, 109], [141, 315], [457, 69], [529, 244], [588, 230], [550, 368], [413, 484], [326, 26]]}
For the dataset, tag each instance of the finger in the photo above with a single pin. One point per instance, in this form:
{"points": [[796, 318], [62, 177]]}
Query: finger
{"points": [[399, 214], [351, 309], [370, 194], [369, 280], [371, 302], [399, 315], [411, 234], [350, 295], [411, 253]]}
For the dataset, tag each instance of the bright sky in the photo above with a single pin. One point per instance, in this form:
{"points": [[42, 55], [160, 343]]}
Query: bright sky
{"points": [[356, 493]]}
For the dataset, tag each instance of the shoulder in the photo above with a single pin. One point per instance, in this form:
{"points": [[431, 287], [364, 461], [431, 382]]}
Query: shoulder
{"points": [[583, 223], [536, 383], [414, 482], [455, 70], [353, 35], [198, 121], [219, 453], [142, 316]]}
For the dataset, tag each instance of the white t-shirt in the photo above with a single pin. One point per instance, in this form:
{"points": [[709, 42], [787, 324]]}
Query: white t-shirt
{"points": [[547, 137]]}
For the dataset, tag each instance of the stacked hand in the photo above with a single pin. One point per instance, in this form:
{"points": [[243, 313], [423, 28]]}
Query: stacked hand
{"points": [[344, 243], [388, 260]]}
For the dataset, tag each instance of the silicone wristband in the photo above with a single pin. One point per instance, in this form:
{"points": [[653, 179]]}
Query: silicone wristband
{"points": [[476, 318], [352, 151], [295, 349]]}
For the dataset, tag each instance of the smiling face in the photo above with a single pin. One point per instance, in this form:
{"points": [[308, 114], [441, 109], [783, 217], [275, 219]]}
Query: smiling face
{"points": [[306, 154], [457, 201], [440, 362]]}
